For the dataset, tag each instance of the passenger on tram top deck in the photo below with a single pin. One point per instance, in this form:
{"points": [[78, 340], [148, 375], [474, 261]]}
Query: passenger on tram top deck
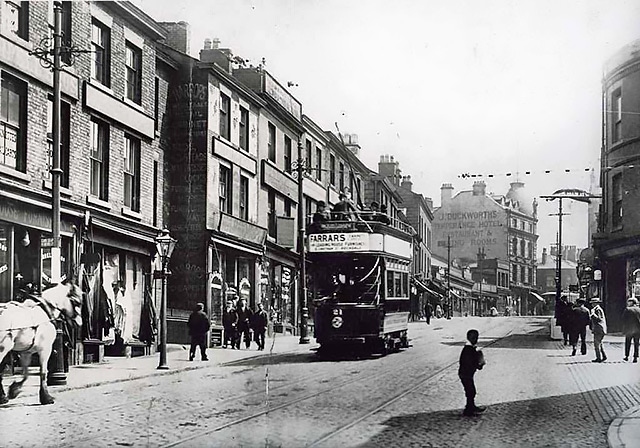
{"points": [[344, 210], [321, 214]]}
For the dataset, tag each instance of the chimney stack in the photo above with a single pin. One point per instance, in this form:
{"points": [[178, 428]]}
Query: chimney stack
{"points": [[220, 56], [479, 188], [406, 183], [446, 191], [178, 36]]}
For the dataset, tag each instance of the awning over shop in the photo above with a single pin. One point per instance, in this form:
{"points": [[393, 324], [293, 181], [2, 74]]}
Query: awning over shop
{"points": [[421, 286]]}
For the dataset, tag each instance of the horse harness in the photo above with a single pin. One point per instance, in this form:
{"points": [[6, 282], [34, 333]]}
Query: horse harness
{"points": [[48, 310]]}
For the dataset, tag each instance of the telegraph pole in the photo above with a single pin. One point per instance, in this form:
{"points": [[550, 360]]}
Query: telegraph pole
{"points": [[448, 276], [302, 283]]}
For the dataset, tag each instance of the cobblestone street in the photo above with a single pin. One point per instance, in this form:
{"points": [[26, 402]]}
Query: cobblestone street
{"points": [[538, 395]]}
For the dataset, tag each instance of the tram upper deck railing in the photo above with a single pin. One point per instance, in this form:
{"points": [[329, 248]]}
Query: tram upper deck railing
{"points": [[359, 221]]}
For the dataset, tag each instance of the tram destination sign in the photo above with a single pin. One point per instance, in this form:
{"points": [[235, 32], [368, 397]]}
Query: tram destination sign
{"points": [[340, 242]]}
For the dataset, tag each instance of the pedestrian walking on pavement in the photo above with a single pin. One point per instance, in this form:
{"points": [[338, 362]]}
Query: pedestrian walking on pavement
{"points": [[259, 324], [229, 323], [198, 325], [563, 310], [631, 328], [428, 311], [598, 328], [579, 320], [471, 360], [244, 323]]}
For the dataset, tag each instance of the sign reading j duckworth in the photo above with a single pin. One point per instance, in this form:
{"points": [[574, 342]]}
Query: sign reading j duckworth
{"points": [[338, 242]]}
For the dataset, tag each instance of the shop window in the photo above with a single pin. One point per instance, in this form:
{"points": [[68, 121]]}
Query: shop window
{"points": [[13, 127], [46, 243]]}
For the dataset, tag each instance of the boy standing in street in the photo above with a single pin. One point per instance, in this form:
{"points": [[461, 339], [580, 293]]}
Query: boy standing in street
{"points": [[471, 359]]}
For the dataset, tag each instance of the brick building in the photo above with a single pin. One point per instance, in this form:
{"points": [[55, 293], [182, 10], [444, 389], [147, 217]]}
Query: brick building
{"points": [[501, 227], [112, 162], [616, 242]]}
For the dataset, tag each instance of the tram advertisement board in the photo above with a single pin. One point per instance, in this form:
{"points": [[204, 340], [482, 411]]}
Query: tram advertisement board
{"points": [[341, 242]]}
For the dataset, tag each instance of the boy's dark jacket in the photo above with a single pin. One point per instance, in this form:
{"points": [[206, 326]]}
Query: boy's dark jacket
{"points": [[471, 359]]}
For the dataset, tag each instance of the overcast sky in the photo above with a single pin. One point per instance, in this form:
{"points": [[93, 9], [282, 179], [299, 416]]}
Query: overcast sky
{"points": [[445, 86]]}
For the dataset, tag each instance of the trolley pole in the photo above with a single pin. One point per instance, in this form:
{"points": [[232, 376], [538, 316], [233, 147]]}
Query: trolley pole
{"points": [[302, 283]]}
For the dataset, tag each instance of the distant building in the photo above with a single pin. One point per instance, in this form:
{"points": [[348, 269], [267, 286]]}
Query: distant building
{"points": [[502, 227]]}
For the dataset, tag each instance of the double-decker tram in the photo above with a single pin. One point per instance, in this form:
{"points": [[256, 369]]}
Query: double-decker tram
{"points": [[359, 274]]}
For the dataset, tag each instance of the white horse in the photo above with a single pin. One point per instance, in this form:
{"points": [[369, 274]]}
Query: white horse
{"points": [[29, 327]]}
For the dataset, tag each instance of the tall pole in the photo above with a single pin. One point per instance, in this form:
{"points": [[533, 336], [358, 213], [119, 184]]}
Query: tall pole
{"points": [[448, 276], [559, 253], [302, 283], [56, 375], [480, 258], [56, 172], [163, 319]]}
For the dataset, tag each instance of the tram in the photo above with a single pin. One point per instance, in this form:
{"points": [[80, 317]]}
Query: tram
{"points": [[359, 272]]}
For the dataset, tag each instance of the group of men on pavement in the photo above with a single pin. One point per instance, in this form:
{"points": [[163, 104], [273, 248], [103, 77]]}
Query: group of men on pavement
{"points": [[574, 319], [238, 321]]}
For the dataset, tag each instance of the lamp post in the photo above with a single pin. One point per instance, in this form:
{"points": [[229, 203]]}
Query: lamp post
{"points": [[54, 48], [164, 245], [302, 283], [448, 277]]}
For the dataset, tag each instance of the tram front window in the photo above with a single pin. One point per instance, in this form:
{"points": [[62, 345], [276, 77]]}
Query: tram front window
{"points": [[352, 280]]}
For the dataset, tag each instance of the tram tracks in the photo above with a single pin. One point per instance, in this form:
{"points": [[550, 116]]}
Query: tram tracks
{"points": [[391, 369]]}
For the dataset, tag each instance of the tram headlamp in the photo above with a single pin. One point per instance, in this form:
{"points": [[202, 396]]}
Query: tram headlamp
{"points": [[336, 322]]}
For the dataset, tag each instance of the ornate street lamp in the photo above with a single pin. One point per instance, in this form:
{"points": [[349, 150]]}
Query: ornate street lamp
{"points": [[50, 52], [164, 246]]}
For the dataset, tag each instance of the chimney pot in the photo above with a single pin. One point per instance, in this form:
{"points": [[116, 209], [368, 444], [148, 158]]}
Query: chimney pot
{"points": [[207, 44]]}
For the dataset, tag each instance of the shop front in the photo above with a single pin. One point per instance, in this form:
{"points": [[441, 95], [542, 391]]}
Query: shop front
{"points": [[119, 311], [278, 289]]}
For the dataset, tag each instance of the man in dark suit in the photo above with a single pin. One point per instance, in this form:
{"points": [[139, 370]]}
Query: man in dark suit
{"points": [[198, 325], [259, 325], [579, 320], [244, 323], [631, 328]]}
